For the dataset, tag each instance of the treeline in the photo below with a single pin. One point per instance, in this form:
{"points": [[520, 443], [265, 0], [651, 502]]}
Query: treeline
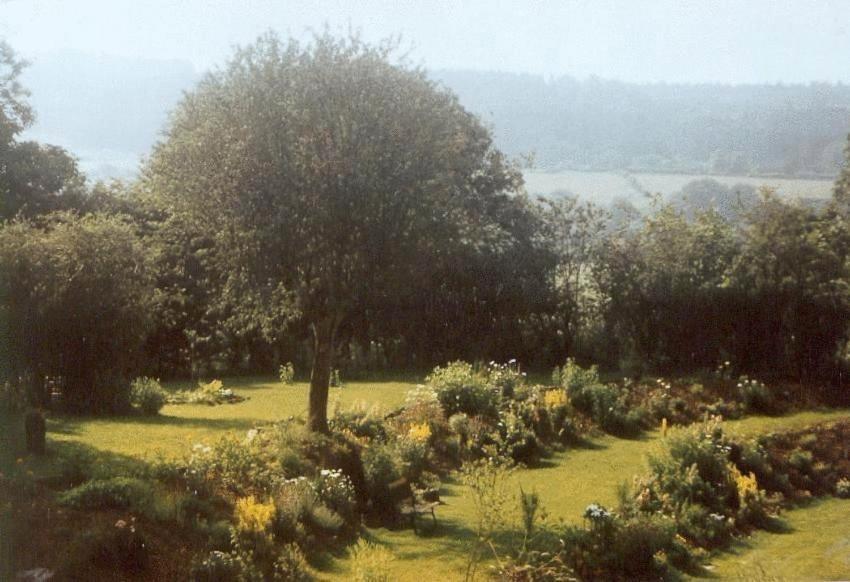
{"points": [[111, 110], [597, 124], [198, 269]]}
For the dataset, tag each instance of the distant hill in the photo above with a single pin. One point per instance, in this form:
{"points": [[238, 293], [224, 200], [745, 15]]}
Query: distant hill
{"points": [[781, 130], [106, 110], [109, 112]]}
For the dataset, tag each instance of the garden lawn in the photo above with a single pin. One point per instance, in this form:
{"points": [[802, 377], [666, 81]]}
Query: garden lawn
{"points": [[178, 427], [816, 546], [566, 482]]}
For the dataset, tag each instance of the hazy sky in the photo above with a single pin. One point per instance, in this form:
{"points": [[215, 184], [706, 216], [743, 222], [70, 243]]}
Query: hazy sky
{"points": [[636, 40]]}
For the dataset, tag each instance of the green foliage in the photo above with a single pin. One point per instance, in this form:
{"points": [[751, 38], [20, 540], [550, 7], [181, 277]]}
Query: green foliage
{"points": [[113, 493], [231, 465], [218, 566], [291, 565], [336, 490], [460, 388], [286, 373], [606, 404], [211, 393], [693, 468], [119, 548], [78, 305], [370, 562], [574, 378], [612, 548], [381, 466], [506, 379], [755, 396], [295, 235], [488, 481], [147, 395]]}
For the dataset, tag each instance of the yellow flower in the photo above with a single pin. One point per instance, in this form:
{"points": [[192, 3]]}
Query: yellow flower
{"points": [[553, 398], [747, 485], [419, 432], [252, 515]]}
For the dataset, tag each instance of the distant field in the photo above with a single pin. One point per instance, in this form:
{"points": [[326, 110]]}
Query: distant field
{"points": [[603, 187]]}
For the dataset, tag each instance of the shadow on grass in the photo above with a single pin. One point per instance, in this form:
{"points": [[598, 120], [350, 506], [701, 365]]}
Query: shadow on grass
{"points": [[72, 425]]}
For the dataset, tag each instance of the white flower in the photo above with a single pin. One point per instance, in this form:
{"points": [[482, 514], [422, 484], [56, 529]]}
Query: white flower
{"points": [[252, 434]]}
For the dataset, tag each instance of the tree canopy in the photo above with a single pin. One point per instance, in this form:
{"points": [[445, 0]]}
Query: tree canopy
{"points": [[330, 175]]}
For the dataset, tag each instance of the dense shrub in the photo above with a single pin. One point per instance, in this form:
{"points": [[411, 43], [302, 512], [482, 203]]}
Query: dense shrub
{"points": [[693, 468], [612, 548], [115, 549], [460, 388], [78, 306], [606, 404], [381, 465], [506, 379], [359, 421], [230, 465], [147, 395], [291, 565], [217, 566], [116, 493], [755, 396], [336, 491]]}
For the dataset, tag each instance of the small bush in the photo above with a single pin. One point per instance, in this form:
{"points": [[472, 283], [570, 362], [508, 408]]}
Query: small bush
{"points": [[842, 488], [335, 490], [210, 393], [505, 379], [324, 520], [286, 373], [612, 548], [114, 493], [802, 461], [575, 378], [120, 548], [370, 563], [147, 395], [252, 515], [232, 464], [217, 566], [755, 395], [460, 388], [382, 466], [291, 566]]}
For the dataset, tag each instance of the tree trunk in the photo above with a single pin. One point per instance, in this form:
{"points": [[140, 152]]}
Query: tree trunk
{"points": [[323, 343]]}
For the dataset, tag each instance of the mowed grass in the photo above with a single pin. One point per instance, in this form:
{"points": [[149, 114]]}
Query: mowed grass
{"points": [[815, 546], [173, 432], [567, 482]]}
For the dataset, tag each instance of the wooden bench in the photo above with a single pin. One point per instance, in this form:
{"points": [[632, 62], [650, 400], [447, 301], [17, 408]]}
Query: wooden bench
{"points": [[409, 504]]}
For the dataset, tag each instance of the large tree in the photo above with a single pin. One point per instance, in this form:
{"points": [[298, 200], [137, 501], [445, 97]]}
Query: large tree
{"points": [[330, 175], [76, 294], [34, 178]]}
